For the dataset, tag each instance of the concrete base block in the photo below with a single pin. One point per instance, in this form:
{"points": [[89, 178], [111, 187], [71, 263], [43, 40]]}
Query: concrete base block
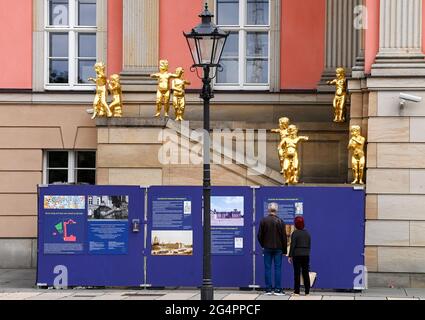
{"points": [[16, 253]]}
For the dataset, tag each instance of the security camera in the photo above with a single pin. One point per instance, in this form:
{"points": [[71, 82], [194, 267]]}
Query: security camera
{"points": [[409, 97]]}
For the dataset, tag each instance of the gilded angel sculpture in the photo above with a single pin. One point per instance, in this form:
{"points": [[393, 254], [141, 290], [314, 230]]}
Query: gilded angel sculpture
{"points": [[163, 92], [114, 86], [100, 106], [340, 95], [283, 132], [179, 102], [356, 145], [291, 165]]}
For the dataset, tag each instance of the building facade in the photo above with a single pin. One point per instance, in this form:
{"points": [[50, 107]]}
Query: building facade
{"points": [[278, 57]]}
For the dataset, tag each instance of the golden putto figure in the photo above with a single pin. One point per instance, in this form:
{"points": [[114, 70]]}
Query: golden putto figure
{"points": [[291, 165], [283, 132], [100, 106], [356, 145], [179, 102], [163, 92], [114, 87], [340, 95]]}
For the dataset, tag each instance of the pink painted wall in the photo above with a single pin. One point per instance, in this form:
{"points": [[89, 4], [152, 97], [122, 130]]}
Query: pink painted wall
{"points": [[115, 29], [173, 20], [302, 43], [371, 34], [16, 44]]}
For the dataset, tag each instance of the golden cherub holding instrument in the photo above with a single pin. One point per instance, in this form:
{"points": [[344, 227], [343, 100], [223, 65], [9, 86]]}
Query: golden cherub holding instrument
{"points": [[340, 95], [356, 145], [178, 86], [100, 106], [163, 92], [283, 133], [291, 165], [114, 87]]}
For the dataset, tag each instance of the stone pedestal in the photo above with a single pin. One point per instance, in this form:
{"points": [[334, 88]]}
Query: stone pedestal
{"points": [[140, 44]]}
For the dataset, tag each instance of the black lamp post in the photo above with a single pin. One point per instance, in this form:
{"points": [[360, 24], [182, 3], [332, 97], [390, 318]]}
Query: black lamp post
{"points": [[206, 43]]}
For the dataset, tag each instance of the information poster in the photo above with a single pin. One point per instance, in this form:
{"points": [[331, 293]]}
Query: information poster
{"points": [[227, 222], [108, 224], [172, 227], [64, 224]]}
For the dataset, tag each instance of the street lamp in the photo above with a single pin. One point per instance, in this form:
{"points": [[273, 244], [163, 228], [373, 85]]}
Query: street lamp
{"points": [[206, 42]]}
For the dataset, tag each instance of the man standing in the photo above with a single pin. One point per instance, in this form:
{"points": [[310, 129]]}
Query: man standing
{"points": [[272, 238]]}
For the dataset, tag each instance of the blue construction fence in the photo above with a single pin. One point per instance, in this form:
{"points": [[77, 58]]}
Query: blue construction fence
{"points": [[152, 236]]}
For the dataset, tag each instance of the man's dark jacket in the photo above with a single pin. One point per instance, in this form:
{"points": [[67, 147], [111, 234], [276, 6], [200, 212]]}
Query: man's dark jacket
{"points": [[272, 233]]}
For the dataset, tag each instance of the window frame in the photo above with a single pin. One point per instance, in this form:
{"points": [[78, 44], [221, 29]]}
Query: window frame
{"points": [[243, 29], [72, 29], [72, 164]]}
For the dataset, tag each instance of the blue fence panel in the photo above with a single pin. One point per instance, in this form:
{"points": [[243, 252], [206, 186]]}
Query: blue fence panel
{"points": [[174, 240], [334, 216], [89, 231], [232, 233]]}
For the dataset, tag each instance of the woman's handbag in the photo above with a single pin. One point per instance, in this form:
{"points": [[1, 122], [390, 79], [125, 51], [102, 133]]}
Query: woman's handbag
{"points": [[313, 276]]}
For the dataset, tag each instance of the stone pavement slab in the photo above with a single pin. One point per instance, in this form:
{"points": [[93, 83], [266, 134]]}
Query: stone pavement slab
{"points": [[383, 292], [50, 296], [217, 296], [241, 296], [309, 297], [392, 298], [338, 298], [369, 298], [19, 295], [415, 292], [273, 297], [178, 296]]}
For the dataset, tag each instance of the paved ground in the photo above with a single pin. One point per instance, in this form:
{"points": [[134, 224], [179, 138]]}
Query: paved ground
{"points": [[19, 285]]}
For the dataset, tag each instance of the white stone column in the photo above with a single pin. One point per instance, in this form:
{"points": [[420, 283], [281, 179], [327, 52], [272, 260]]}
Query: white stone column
{"points": [[400, 39], [343, 43], [140, 42]]}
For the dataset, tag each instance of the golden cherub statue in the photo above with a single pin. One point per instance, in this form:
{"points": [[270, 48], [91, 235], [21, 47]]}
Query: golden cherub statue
{"points": [[163, 92], [283, 132], [114, 86], [291, 166], [356, 145], [100, 106], [340, 95], [178, 86]]}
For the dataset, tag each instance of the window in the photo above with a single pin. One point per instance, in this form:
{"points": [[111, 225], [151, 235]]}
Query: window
{"points": [[246, 57], [71, 43], [69, 167]]}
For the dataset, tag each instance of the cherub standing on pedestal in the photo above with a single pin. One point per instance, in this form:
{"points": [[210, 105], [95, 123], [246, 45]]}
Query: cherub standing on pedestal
{"points": [[291, 166], [283, 132], [100, 107], [114, 87], [340, 95], [356, 144], [179, 102], [163, 92]]}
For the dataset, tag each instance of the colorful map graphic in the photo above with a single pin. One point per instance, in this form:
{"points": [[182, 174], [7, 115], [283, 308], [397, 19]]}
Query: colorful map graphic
{"points": [[64, 202], [62, 229]]}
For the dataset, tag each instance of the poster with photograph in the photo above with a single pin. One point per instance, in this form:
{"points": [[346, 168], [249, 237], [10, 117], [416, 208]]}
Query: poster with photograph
{"points": [[227, 221], [108, 208], [172, 243], [108, 224], [172, 213], [64, 202], [64, 233]]}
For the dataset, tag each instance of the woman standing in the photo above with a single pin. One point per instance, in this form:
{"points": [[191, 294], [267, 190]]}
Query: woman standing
{"points": [[299, 255]]}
